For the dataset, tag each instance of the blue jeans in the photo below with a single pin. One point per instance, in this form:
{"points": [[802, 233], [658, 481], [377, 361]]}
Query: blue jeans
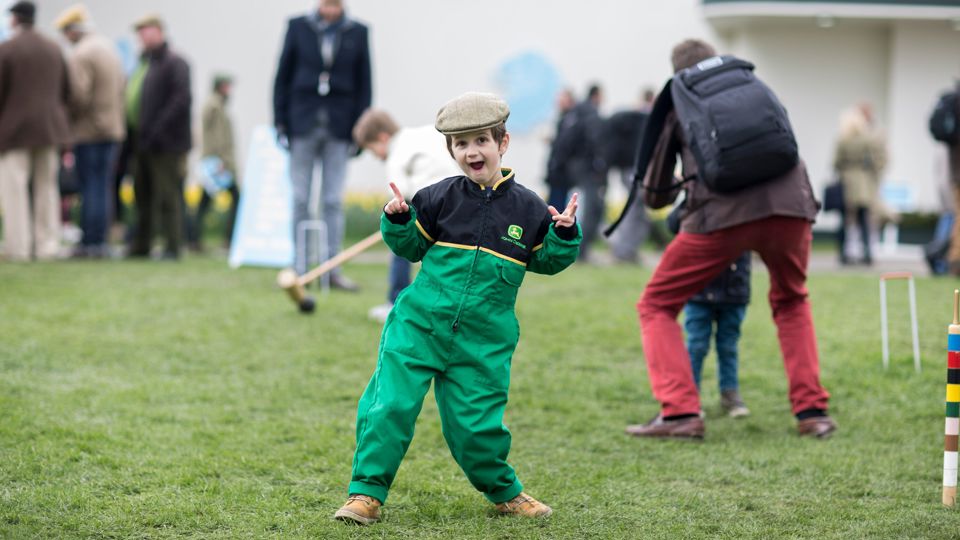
{"points": [[94, 166], [332, 153], [698, 321], [399, 277]]}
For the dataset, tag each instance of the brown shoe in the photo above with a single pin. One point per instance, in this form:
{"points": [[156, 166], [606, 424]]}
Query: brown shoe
{"points": [[359, 509], [524, 505], [820, 427], [688, 428]]}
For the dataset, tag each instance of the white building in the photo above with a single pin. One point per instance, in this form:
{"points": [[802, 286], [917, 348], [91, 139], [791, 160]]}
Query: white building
{"points": [[820, 57]]}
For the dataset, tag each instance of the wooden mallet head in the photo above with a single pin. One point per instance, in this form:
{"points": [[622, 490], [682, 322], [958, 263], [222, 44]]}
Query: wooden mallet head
{"points": [[288, 280]]}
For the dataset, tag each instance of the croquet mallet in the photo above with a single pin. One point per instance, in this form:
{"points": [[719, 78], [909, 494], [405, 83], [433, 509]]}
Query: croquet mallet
{"points": [[295, 285]]}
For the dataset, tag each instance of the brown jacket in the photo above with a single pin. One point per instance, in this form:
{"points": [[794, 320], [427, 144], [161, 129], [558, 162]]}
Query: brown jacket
{"points": [[34, 89], [97, 86], [706, 211]]}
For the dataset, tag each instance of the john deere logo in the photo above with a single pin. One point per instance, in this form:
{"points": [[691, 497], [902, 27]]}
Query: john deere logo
{"points": [[515, 232]]}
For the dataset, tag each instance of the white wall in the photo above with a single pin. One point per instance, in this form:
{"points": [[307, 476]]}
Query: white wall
{"points": [[925, 60], [424, 51]]}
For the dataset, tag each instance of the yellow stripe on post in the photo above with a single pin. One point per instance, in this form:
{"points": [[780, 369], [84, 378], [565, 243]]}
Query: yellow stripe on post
{"points": [[953, 392]]}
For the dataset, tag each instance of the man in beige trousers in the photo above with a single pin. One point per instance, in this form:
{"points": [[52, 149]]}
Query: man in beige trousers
{"points": [[34, 89]]}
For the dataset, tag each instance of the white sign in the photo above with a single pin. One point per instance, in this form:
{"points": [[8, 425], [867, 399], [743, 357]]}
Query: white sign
{"points": [[263, 234]]}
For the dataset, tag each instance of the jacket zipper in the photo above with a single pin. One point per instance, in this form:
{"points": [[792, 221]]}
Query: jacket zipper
{"points": [[488, 194]]}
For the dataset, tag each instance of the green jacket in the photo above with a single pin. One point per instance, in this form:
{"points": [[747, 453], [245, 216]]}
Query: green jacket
{"points": [[476, 245]]}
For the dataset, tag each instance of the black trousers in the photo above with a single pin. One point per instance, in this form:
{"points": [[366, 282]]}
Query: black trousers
{"points": [[862, 216]]}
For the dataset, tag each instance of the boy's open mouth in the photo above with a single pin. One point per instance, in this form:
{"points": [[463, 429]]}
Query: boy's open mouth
{"points": [[476, 165]]}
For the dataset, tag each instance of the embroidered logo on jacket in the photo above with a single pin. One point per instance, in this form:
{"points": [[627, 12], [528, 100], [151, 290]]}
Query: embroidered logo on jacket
{"points": [[514, 233]]}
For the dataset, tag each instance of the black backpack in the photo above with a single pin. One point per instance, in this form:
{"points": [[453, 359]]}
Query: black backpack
{"points": [[735, 126], [943, 119]]}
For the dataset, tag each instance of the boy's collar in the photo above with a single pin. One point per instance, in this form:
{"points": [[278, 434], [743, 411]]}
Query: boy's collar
{"points": [[503, 184]]}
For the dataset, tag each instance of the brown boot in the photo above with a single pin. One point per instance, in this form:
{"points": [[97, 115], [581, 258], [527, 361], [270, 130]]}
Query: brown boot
{"points": [[821, 427], [687, 428], [359, 509], [524, 505]]}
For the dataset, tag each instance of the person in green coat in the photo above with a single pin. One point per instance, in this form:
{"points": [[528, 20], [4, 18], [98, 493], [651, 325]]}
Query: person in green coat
{"points": [[477, 235]]}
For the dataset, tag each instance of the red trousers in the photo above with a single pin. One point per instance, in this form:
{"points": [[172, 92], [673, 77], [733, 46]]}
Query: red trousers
{"points": [[689, 263]]}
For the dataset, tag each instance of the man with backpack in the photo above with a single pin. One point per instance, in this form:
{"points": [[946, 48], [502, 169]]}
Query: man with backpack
{"points": [[746, 189], [945, 127]]}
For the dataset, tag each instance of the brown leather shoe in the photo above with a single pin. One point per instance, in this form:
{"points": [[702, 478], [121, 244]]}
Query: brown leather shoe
{"points": [[359, 509], [820, 427], [524, 505], [687, 428]]}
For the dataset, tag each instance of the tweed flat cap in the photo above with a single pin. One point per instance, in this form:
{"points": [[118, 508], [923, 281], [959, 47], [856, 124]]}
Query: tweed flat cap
{"points": [[473, 111], [73, 15], [149, 20]]}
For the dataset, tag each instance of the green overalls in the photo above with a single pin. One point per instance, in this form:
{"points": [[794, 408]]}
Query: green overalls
{"points": [[455, 325]]}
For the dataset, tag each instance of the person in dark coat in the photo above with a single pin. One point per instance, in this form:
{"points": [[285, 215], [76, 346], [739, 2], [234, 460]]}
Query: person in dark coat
{"points": [[582, 142], [557, 178], [158, 115], [623, 133], [323, 85], [773, 218], [34, 92]]}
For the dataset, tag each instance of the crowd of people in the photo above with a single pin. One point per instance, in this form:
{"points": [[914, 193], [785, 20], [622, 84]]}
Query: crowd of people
{"points": [[82, 113]]}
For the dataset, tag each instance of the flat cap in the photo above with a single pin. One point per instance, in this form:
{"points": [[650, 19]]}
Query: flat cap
{"points": [[149, 20], [73, 15], [473, 111], [27, 10], [220, 78]]}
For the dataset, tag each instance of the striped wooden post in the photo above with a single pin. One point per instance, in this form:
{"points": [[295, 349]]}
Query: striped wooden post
{"points": [[952, 427]]}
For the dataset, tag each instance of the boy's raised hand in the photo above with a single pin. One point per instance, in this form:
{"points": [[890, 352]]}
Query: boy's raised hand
{"points": [[569, 215], [396, 205]]}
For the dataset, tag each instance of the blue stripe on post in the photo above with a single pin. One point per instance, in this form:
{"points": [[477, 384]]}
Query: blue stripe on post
{"points": [[953, 342]]}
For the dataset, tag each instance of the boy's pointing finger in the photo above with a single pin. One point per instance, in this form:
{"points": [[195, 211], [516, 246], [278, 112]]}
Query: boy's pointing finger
{"points": [[396, 192]]}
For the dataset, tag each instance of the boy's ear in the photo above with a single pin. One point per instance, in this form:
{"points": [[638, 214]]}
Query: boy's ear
{"points": [[383, 137], [504, 144]]}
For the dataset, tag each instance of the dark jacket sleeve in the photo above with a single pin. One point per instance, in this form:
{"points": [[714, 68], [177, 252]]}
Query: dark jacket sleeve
{"points": [[364, 78], [659, 176], [282, 81]]}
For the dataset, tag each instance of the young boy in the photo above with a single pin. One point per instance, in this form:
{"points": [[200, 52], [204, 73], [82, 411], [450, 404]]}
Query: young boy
{"points": [[477, 234], [415, 158], [723, 302]]}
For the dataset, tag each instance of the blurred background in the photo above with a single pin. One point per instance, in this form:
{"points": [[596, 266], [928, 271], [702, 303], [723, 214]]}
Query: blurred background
{"points": [[819, 57]]}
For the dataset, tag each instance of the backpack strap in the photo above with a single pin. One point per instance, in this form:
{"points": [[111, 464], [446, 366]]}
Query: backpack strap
{"points": [[651, 134]]}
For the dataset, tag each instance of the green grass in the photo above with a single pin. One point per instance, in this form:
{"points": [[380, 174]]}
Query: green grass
{"points": [[152, 400]]}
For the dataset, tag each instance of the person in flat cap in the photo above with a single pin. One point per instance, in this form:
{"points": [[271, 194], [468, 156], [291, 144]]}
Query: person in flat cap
{"points": [[477, 235], [33, 129], [96, 123], [217, 151], [158, 102]]}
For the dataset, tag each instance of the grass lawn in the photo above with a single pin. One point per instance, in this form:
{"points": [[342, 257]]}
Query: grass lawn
{"points": [[157, 400]]}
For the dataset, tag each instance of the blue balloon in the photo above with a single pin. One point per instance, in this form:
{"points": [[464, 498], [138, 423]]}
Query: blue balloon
{"points": [[529, 83]]}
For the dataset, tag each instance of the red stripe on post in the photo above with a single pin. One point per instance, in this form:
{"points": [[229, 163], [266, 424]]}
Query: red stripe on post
{"points": [[953, 360]]}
